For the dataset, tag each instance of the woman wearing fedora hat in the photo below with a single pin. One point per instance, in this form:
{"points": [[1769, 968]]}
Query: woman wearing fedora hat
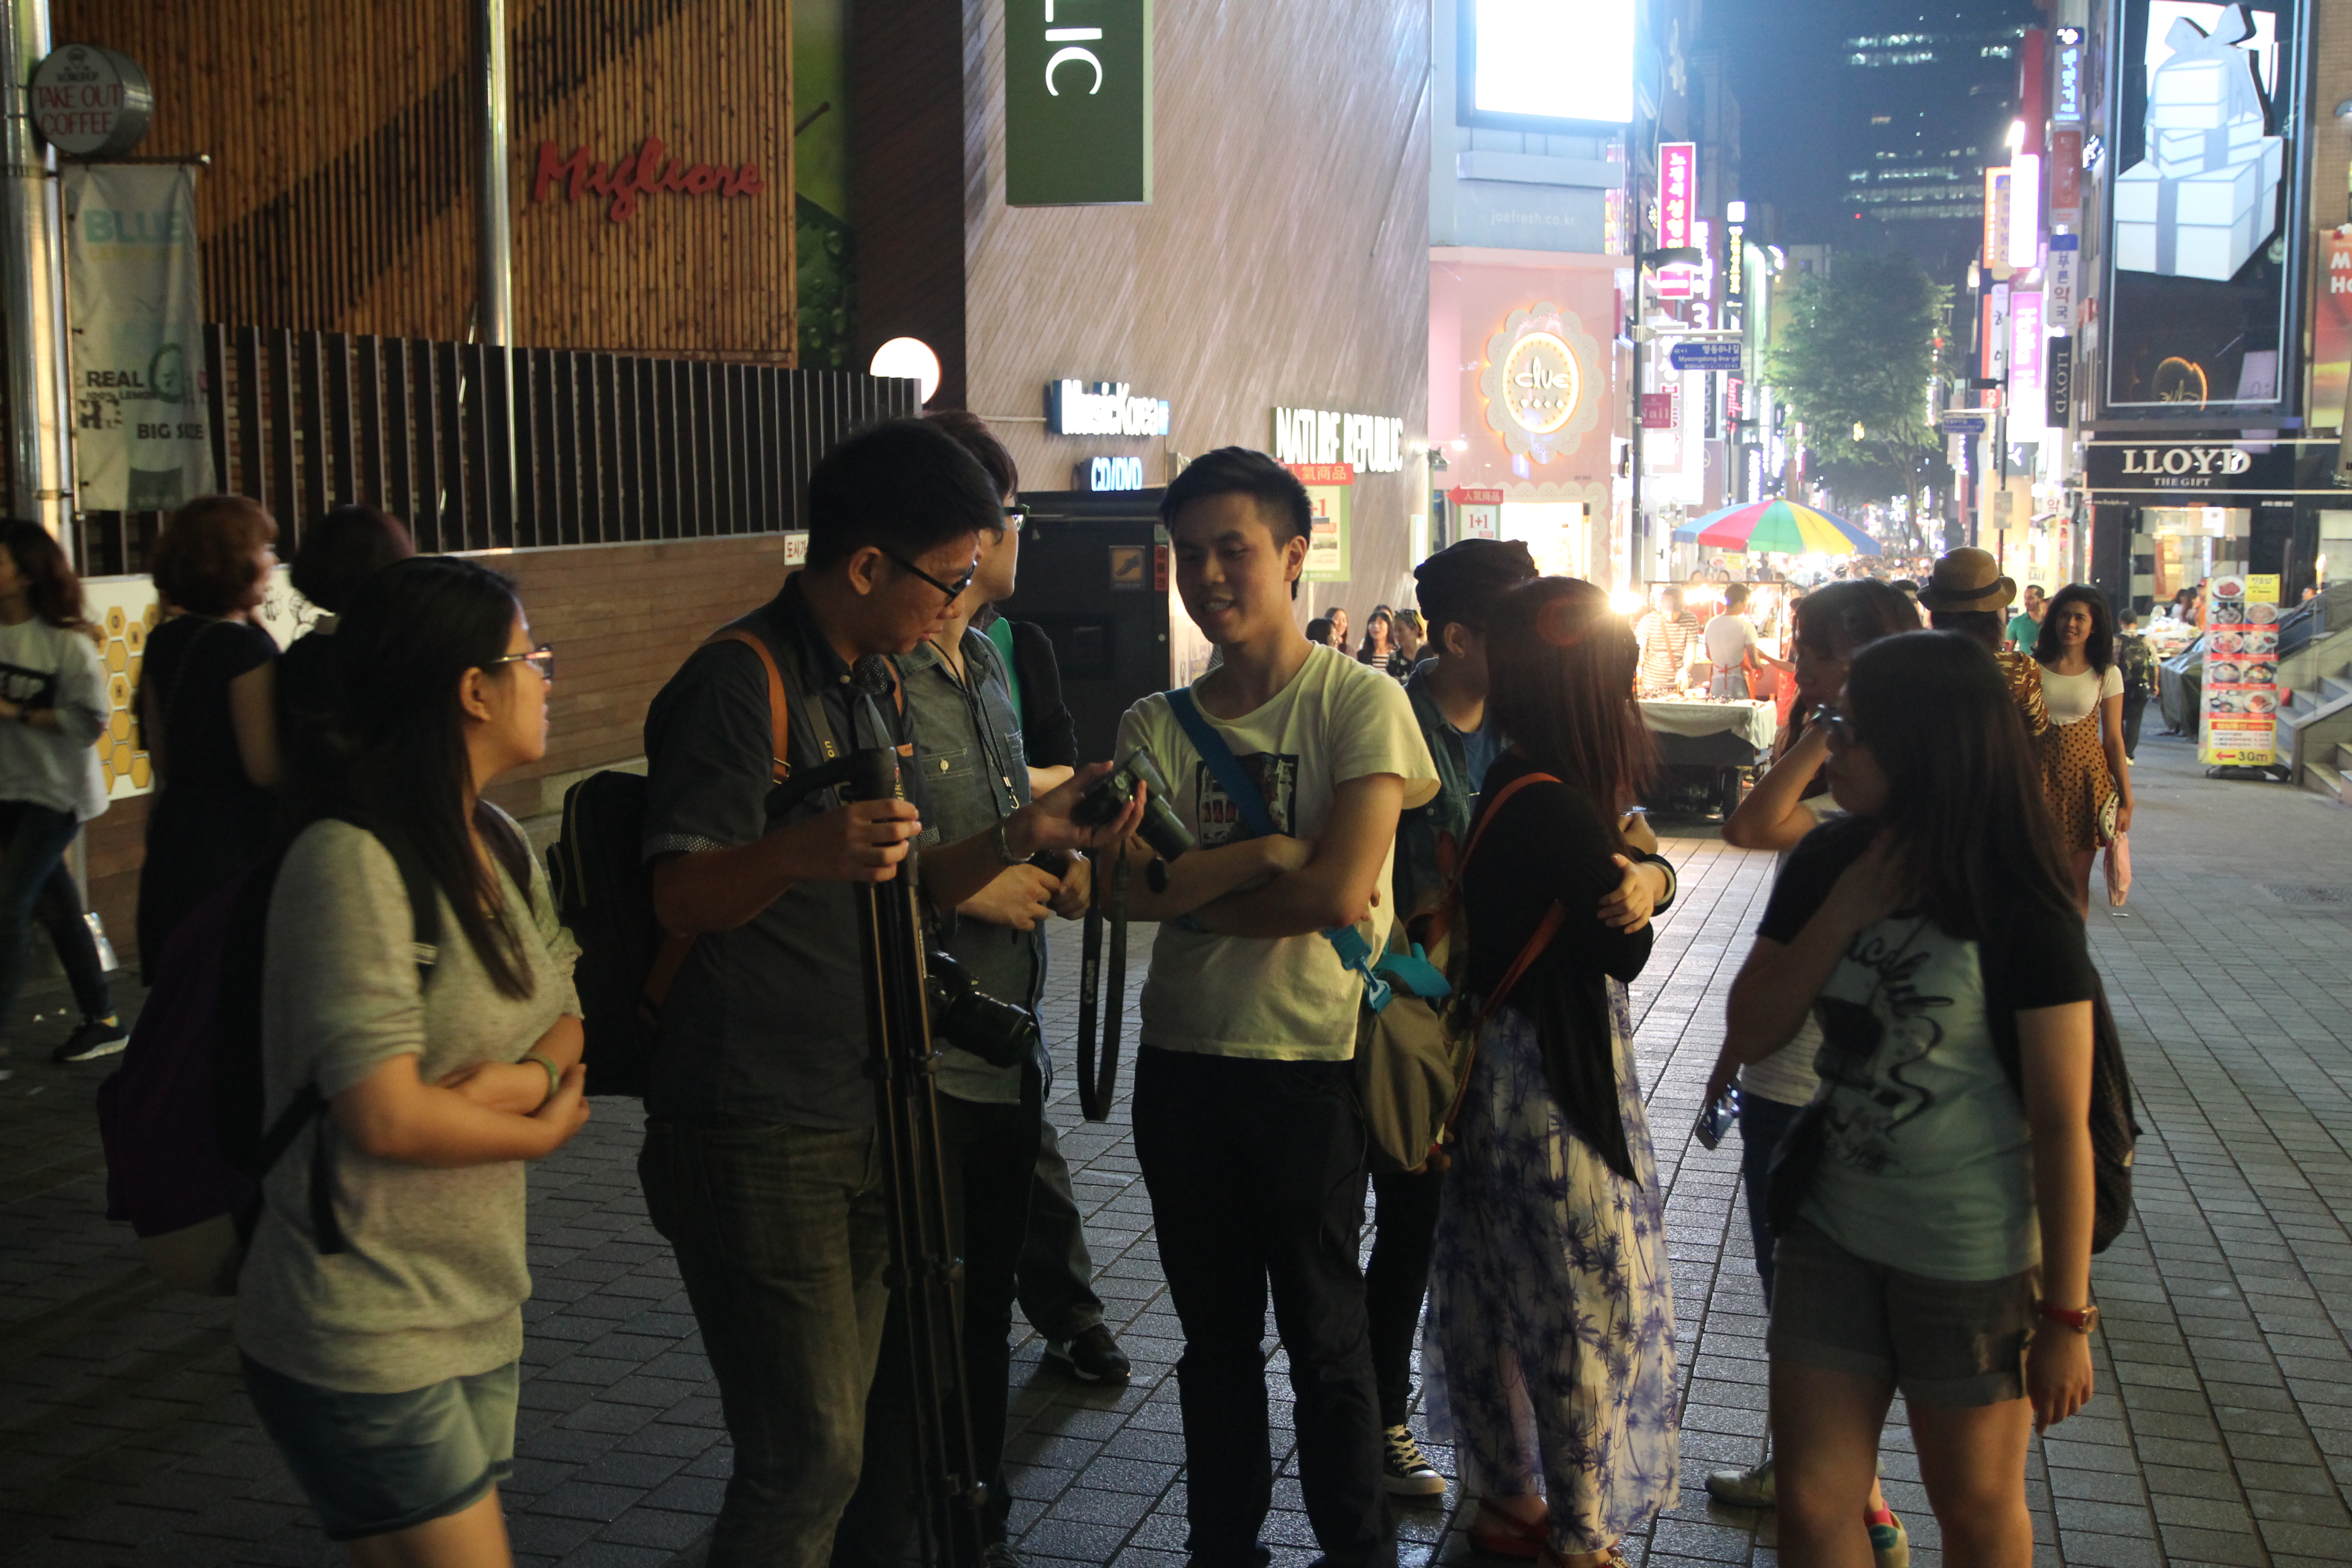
{"points": [[1967, 593]]}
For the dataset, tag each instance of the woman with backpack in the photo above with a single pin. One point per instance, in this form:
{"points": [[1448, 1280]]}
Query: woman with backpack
{"points": [[53, 709], [380, 1306], [1933, 1206], [1550, 1304]]}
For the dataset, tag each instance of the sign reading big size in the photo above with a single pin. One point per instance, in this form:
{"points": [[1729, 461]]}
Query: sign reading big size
{"points": [[1078, 103]]}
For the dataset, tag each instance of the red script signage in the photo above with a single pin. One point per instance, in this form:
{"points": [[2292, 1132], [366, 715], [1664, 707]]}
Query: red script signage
{"points": [[640, 173]]}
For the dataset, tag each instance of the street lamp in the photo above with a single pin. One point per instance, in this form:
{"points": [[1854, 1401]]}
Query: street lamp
{"points": [[1645, 261]]}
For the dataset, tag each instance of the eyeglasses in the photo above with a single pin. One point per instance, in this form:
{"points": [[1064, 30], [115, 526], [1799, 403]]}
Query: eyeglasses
{"points": [[541, 659], [1016, 518], [1836, 727], [954, 592]]}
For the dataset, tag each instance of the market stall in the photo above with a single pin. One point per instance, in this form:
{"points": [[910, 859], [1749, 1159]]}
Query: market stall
{"points": [[1706, 746]]}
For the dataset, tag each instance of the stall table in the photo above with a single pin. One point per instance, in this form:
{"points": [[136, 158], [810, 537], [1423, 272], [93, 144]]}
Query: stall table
{"points": [[1722, 737]]}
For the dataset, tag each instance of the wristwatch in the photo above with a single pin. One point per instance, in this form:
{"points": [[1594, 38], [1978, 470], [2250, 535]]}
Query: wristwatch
{"points": [[2081, 1323]]}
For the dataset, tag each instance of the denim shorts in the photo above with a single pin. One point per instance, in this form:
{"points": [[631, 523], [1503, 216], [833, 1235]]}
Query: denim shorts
{"points": [[1946, 1343], [376, 1463]]}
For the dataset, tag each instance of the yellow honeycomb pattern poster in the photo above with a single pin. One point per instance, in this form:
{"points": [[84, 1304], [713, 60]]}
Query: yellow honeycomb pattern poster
{"points": [[124, 610]]}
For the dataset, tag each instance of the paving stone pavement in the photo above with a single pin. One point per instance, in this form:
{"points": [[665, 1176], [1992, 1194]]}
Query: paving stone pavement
{"points": [[2221, 1432]]}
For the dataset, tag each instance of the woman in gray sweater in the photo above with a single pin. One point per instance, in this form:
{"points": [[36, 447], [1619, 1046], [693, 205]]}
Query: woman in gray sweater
{"points": [[382, 1329]]}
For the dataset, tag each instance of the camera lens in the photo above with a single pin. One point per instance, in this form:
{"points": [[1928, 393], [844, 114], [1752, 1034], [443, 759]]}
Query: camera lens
{"points": [[997, 1032]]}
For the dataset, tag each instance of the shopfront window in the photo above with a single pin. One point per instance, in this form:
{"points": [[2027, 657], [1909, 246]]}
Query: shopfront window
{"points": [[2335, 564], [2191, 544], [1557, 533]]}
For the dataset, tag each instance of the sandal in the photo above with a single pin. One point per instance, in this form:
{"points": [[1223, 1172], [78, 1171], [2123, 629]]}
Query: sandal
{"points": [[1497, 1535], [1614, 1557]]}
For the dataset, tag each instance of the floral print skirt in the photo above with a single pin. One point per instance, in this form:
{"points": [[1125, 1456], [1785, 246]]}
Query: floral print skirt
{"points": [[2074, 778], [1550, 1336]]}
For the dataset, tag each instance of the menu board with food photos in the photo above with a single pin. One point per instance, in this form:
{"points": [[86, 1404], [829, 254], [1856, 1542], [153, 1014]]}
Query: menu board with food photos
{"points": [[2240, 701]]}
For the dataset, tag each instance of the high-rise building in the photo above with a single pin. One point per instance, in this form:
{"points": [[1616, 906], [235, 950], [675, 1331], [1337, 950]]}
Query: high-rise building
{"points": [[1925, 98]]}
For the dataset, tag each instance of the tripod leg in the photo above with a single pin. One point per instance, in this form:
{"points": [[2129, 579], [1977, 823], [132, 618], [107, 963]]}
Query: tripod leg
{"points": [[1089, 991], [1115, 1003]]}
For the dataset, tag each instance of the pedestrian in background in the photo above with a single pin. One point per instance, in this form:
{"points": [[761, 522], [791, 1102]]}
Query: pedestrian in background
{"points": [[207, 708], [2025, 626], [1665, 633], [1320, 632], [2136, 659], [1550, 1309], [1338, 619], [2083, 766], [386, 1368], [1933, 1206], [1967, 594], [53, 709], [339, 553], [1410, 637], [1377, 649]]}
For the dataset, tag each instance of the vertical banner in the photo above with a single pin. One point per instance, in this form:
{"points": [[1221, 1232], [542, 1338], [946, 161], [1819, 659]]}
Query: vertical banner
{"points": [[2241, 700], [1995, 337], [1326, 535], [1996, 221], [2066, 176], [2058, 384], [1677, 207], [140, 440], [2025, 385], [2061, 284], [1078, 104], [2331, 329]]}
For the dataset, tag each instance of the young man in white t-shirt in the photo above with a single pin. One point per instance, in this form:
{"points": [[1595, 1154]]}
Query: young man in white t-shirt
{"points": [[1246, 1125], [1731, 640]]}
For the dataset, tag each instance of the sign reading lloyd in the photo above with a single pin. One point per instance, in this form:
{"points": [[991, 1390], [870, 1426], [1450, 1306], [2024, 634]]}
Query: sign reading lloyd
{"points": [[1078, 103], [2133, 466]]}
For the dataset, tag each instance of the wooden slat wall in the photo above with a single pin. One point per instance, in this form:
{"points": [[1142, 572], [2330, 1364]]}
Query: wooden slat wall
{"points": [[339, 197]]}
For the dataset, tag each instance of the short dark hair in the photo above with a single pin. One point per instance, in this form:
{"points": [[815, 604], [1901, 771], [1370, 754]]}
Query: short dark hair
{"points": [[204, 560], [1986, 627], [50, 585], [1319, 630], [343, 550], [1461, 583], [1734, 596], [972, 434], [1237, 470], [2101, 648], [903, 485]]}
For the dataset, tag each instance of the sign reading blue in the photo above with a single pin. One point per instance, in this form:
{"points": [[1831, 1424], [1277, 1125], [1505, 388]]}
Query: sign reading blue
{"points": [[1705, 356]]}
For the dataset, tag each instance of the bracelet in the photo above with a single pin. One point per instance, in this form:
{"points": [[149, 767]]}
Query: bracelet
{"points": [[554, 1077], [1004, 847]]}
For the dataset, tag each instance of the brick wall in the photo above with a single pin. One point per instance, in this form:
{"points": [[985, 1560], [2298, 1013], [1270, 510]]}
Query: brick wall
{"points": [[621, 616]]}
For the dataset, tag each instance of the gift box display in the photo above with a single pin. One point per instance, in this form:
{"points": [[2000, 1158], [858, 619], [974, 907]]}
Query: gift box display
{"points": [[2205, 198]]}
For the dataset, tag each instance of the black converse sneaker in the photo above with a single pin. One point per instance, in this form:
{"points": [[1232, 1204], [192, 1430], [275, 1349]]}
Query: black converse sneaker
{"points": [[1091, 1356], [97, 1037], [1405, 1470]]}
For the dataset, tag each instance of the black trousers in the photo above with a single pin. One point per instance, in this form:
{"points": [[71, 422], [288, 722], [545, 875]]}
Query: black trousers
{"points": [[2132, 713], [1405, 1233], [1057, 1273], [989, 1153], [1256, 1171]]}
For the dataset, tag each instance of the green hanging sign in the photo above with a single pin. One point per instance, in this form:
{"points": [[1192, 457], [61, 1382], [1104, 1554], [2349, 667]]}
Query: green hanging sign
{"points": [[1078, 103]]}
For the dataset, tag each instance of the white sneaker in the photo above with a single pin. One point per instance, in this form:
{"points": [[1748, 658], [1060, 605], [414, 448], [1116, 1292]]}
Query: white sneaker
{"points": [[1750, 1488]]}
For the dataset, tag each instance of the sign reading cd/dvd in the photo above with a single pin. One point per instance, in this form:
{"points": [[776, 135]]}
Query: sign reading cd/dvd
{"points": [[2207, 192], [2239, 726]]}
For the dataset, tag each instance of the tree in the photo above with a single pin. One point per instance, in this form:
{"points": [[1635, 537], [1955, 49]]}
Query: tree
{"points": [[1856, 348]]}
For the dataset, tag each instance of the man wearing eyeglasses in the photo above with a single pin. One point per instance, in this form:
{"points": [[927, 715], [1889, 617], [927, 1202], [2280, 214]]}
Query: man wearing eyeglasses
{"points": [[761, 1163]]}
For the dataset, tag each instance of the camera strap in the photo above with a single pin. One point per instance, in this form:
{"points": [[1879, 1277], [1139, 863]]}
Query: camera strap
{"points": [[1353, 951]]}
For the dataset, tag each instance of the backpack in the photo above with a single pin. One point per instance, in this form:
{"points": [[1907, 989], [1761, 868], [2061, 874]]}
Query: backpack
{"points": [[2138, 660], [182, 1119], [2115, 1132], [605, 896]]}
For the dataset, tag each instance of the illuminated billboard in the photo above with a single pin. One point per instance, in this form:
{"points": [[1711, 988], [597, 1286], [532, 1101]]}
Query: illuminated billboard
{"points": [[1541, 64], [2206, 105]]}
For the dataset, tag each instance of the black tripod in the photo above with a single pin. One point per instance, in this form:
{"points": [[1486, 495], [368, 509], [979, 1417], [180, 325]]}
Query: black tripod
{"points": [[926, 1273]]}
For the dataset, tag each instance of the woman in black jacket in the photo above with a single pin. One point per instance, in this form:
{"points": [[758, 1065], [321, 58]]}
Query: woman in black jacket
{"points": [[1549, 1305]]}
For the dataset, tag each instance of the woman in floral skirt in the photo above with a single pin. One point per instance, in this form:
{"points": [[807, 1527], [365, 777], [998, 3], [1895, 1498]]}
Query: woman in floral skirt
{"points": [[1551, 1309], [2082, 764]]}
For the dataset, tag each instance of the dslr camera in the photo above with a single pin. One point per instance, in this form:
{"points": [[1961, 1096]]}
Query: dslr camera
{"points": [[1110, 795], [997, 1032]]}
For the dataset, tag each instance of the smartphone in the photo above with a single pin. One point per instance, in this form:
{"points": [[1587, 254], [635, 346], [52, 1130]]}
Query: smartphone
{"points": [[1716, 1117]]}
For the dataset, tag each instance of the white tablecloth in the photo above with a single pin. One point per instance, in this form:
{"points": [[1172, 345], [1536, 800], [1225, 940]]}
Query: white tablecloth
{"points": [[1755, 721]]}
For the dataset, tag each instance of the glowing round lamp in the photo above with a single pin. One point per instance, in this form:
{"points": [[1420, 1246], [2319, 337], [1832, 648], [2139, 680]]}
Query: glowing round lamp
{"points": [[909, 359]]}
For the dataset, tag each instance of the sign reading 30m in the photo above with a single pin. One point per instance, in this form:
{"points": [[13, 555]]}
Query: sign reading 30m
{"points": [[1078, 103]]}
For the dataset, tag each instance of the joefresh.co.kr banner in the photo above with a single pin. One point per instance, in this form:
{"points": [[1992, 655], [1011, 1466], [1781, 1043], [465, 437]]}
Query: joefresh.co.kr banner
{"points": [[141, 439]]}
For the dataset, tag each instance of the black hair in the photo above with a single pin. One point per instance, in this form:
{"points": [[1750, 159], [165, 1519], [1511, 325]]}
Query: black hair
{"points": [[1461, 585], [343, 550], [1734, 596], [1237, 470], [412, 633], [2100, 648], [1319, 630], [1965, 814], [1852, 613], [50, 587], [971, 433], [903, 485], [1986, 627]]}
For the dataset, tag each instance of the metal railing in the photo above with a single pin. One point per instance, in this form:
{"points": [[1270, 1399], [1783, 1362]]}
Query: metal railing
{"points": [[485, 448]]}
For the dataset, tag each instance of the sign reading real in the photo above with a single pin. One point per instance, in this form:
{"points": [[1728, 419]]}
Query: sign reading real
{"points": [[1078, 103], [1365, 441]]}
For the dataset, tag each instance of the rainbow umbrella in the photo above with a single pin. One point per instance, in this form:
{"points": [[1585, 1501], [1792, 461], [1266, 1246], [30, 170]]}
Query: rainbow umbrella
{"points": [[1779, 526]]}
